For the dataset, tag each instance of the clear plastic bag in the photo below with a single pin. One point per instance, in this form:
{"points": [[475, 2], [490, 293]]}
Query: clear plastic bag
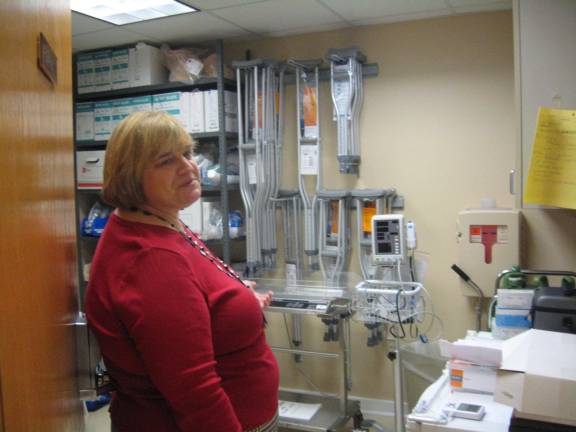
{"points": [[184, 64]]}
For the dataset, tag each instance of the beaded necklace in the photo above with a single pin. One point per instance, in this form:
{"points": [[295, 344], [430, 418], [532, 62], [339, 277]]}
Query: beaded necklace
{"points": [[220, 265]]}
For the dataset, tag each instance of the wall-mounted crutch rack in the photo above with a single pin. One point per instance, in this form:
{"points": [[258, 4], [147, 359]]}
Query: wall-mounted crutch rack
{"points": [[347, 96], [260, 131], [309, 150]]}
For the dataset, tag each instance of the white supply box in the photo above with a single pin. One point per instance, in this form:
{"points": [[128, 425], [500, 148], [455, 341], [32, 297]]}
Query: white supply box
{"points": [[503, 333], [90, 168], [466, 376], [509, 317], [538, 377], [120, 71], [192, 216], [176, 104], [102, 70], [197, 112], [141, 104], [209, 230], [102, 120], [145, 64], [515, 298], [197, 217], [85, 73], [85, 121], [211, 117], [121, 108]]}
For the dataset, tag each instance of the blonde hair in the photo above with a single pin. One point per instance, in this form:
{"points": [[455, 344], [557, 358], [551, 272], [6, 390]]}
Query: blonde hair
{"points": [[136, 141]]}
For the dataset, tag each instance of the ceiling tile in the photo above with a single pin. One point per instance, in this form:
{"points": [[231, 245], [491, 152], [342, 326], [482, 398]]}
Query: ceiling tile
{"points": [[187, 28], [401, 17], [466, 6], [85, 24], [205, 5], [107, 38], [374, 9], [303, 30], [278, 15]]}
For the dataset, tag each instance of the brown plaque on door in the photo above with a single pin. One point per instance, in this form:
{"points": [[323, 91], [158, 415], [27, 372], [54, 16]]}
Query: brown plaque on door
{"points": [[47, 60]]}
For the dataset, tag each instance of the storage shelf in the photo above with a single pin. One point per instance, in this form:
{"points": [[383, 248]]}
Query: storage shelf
{"points": [[205, 188], [200, 83], [99, 145], [213, 242], [208, 135], [219, 140]]}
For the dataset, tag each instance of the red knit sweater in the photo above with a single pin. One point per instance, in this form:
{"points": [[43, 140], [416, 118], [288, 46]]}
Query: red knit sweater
{"points": [[183, 341]]}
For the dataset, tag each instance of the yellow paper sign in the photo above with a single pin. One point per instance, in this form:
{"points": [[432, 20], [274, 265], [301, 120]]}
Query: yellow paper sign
{"points": [[552, 174]]}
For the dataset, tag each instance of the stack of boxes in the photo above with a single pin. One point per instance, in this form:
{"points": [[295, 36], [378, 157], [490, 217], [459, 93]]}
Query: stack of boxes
{"points": [[197, 112], [473, 363], [513, 312], [114, 69]]}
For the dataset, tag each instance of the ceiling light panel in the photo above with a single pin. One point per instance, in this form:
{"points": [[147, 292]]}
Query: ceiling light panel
{"points": [[122, 12]]}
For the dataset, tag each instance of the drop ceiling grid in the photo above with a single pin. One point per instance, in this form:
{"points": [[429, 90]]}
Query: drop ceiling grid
{"points": [[254, 19]]}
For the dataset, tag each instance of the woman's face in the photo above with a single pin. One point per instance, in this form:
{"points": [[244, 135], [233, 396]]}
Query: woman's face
{"points": [[171, 182]]}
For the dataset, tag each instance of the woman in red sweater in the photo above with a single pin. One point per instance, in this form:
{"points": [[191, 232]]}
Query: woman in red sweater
{"points": [[181, 334]]}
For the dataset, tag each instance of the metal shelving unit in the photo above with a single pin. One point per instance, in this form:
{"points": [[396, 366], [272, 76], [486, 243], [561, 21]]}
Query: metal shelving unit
{"points": [[85, 198]]}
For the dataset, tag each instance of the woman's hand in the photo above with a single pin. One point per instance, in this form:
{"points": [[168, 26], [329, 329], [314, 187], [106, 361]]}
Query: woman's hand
{"points": [[263, 299]]}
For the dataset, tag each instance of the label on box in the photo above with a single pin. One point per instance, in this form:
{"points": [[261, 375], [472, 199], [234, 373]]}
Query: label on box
{"points": [[102, 70], [102, 120], [120, 76], [85, 121], [85, 73]]}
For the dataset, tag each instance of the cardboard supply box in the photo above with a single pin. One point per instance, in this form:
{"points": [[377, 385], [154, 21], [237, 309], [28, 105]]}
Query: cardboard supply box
{"points": [[470, 377], [102, 70], [85, 121], [102, 120], [176, 104], [538, 375], [145, 66], [197, 112], [89, 168], [211, 114], [120, 75], [85, 73]]}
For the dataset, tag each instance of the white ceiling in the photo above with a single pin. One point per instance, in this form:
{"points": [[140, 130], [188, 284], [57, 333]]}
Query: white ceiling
{"points": [[256, 19]]}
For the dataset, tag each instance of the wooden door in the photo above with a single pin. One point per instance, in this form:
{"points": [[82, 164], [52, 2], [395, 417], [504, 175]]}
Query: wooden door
{"points": [[37, 235]]}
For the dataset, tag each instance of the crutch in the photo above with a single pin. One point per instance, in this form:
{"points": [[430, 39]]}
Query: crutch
{"points": [[272, 97], [347, 97], [334, 242], [309, 154], [290, 204], [334, 238], [249, 142]]}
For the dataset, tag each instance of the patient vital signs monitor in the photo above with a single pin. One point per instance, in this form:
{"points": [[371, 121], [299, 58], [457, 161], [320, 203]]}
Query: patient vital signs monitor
{"points": [[388, 239]]}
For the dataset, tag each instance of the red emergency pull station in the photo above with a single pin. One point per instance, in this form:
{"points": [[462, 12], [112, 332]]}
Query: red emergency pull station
{"points": [[487, 235]]}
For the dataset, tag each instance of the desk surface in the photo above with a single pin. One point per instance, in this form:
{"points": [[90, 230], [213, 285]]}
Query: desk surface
{"points": [[497, 418]]}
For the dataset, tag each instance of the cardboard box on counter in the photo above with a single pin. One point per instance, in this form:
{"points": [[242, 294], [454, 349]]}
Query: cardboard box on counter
{"points": [[538, 375]]}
